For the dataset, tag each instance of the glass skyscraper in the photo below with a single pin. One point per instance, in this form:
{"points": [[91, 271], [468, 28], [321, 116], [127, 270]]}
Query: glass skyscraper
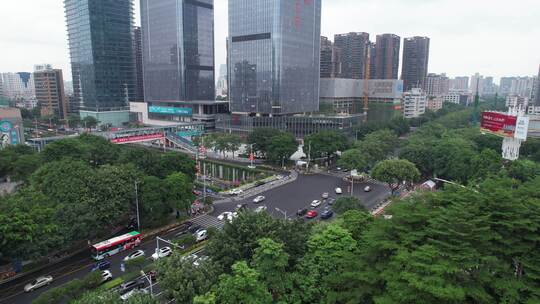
{"points": [[178, 50], [102, 59], [274, 55]]}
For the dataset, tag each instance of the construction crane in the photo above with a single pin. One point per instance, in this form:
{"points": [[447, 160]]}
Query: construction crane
{"points": [[367, 68]]}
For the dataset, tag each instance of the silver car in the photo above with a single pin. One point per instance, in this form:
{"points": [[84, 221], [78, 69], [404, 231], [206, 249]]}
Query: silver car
{"points": [[37, 283]]}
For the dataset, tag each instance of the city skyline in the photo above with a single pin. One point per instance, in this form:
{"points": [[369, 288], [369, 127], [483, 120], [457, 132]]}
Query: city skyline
{"points": [[448, 24]]}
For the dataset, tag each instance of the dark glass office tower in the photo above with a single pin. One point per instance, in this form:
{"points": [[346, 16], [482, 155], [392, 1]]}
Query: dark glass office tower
{"points": [[354, 48], [178, 50], [415, 62], [101, 49], [274, 56], [387, 56], [137, 49]]}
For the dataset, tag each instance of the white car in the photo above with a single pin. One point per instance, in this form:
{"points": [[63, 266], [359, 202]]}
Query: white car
{"points": [[259, 199], [325, 195], [201, 235], [339, 191], [224, 216], [260, 209], [315, 203], [37, 283], [106, 275], [161, 253], [134, 255], [236, 192], [367, 189], [131, 293]]}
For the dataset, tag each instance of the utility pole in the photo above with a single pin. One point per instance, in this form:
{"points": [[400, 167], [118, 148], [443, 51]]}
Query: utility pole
{"points": [[137, 206]]}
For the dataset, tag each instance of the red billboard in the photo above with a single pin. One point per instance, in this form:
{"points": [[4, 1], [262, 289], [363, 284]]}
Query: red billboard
{"points": [[136, 138], [498, 123]]}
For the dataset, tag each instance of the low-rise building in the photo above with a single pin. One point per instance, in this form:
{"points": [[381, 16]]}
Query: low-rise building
{"points": [[11, 127], [517, 101], [434, 103], [346, 96], [414, 103]]}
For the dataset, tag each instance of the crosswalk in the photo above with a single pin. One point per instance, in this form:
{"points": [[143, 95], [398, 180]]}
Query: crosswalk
{"points": [[208, 221]]}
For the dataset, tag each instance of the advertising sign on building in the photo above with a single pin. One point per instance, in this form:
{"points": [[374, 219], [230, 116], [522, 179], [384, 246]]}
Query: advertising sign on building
{"points": [[171, 110], [498, 124], [136, 138], [522, 128]]}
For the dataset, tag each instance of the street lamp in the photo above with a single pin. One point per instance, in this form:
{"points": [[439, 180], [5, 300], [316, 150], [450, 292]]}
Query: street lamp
{"points": [[147, 277], [137, 205], [282, 212]]}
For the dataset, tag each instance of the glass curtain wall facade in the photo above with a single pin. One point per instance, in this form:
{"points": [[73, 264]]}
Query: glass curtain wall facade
{"points": [[178, 50], [101, 48], [274, 56]]}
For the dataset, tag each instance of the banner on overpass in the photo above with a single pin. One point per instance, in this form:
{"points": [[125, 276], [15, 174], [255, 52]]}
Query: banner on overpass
{"points": [[136, 138]]}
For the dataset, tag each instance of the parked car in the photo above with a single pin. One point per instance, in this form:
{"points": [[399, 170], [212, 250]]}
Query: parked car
{"points": [[194, 228], [311, 214], [236, 192], [316, 203], [37, 283], [326, 214], [201, 235], [161, 253], [301, 212], [260, 209], [259, 199], [325, 195], [339, 191], [367, 189], [106, 275], [135, 254], [101, 265], [132, 292]]}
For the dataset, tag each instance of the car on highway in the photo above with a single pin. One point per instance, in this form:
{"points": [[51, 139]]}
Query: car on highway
{"points": [[193, 229], [339, 191], [311, 214], [132, 292], [106, 275], [315, 203], [326, 214], [224, 216], [259, 199], [236, 192], [101, 265], [260, 209], [367, 189], [162, 252], [183, 228], [134, 255], [301, 212], [325, 195], [201, 235], [37, 283]]}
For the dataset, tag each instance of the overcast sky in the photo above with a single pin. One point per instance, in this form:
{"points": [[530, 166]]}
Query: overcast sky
{"points": [[492, 37]]}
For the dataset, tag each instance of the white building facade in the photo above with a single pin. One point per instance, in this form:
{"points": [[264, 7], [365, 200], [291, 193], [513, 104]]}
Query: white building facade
{"points": [[414, 103]]}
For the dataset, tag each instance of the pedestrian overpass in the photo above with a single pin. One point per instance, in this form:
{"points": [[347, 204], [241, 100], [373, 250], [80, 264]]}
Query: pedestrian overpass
{"points": [[179, 136]]}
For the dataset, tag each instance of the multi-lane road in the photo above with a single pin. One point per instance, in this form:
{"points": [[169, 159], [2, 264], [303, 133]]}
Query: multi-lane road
{"points": [[287, 198]]}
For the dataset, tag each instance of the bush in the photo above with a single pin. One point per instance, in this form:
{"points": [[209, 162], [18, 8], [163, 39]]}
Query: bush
{"points": [[186, 241], [92, 280], [344, 204]]}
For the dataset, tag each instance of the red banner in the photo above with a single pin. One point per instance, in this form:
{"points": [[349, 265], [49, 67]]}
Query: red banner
{"points": [[136, 138], [498, 123]]}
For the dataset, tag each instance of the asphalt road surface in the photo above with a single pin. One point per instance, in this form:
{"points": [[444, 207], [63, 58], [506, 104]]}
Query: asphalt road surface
{"points": [[299, 194]]}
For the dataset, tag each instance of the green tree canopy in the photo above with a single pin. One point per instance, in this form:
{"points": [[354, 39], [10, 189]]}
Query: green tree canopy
{"points": [[346, 203], [242, 287], [394, 172], [281, 148]]}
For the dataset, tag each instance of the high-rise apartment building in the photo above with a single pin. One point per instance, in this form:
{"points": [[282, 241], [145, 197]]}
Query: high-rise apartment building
{"points": [[505, 85], [353, 48], [537, 94], [326, 57], [100, 34], [387, 56], [477, 84], [50, 94], [436, 84], [18, 86], [274, 56], [415, 62], [138, 55], [372, 60], [460, 83]]}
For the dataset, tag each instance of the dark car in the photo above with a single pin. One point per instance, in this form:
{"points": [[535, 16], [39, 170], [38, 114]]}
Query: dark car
{"points": [[326, 214], [101, 265], [129, 286], [194, 228], [301, 212], [184, 228]]}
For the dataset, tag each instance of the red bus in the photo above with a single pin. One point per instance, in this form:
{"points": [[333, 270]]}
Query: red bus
{"points": [[115, 245]]}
